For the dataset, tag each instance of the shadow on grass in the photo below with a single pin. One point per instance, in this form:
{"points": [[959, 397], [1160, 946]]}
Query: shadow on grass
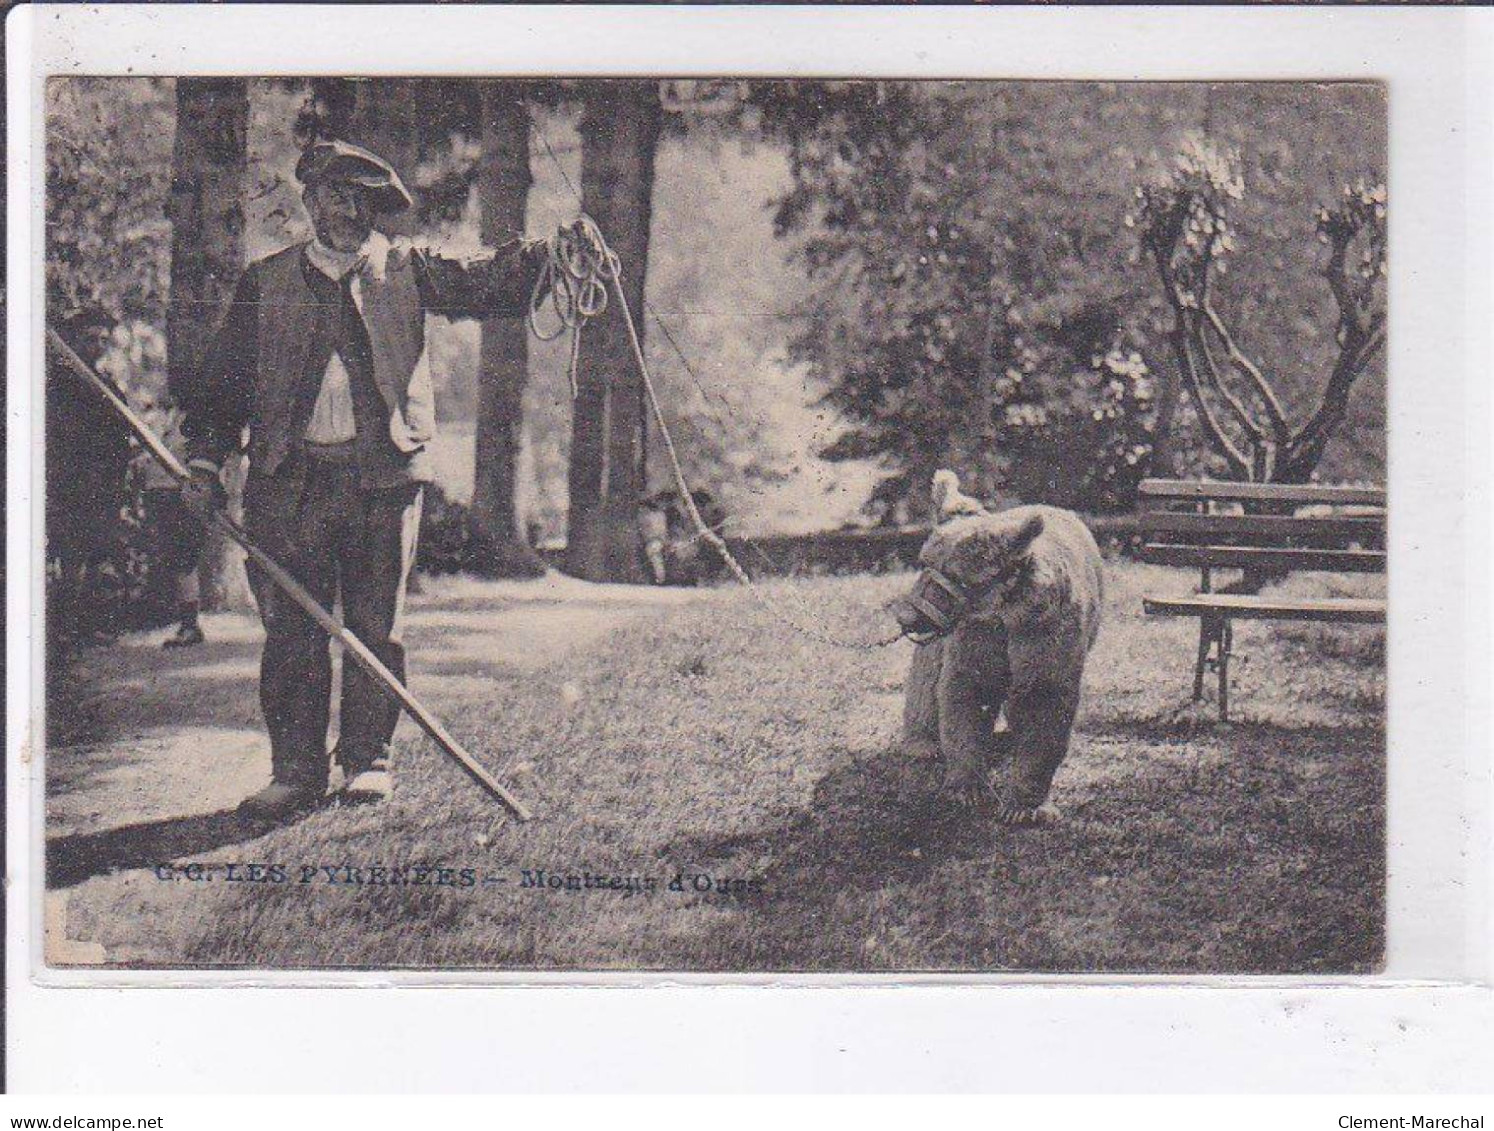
{"points": [[74, 859], [875, 821], [1192, 721], [1249, 863], [188, 687]]}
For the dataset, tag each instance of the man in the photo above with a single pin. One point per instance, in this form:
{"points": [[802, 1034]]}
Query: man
{"points": [[322, 355]]}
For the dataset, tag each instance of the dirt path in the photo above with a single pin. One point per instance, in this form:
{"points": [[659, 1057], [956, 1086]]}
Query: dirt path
{"points": [[153, 749]]}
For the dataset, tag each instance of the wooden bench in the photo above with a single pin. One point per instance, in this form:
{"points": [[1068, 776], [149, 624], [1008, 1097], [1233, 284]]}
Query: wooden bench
{"points": [[1270, 527]]}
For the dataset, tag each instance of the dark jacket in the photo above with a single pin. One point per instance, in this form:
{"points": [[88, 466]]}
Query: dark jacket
{"points": [[265, 365]]}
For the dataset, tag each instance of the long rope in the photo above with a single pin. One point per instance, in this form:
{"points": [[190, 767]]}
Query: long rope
{"points": [[581, 266]]}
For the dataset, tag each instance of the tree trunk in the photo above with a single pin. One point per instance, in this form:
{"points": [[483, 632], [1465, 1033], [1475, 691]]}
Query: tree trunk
{"points": [[619, 134], [1168, 380], [209, 163], [503, 366]]}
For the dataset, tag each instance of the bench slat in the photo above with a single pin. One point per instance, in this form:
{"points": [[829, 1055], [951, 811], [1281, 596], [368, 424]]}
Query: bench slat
{"points": [[1352, 610], [1196, 490], [1241, 557], [1288, 531]]}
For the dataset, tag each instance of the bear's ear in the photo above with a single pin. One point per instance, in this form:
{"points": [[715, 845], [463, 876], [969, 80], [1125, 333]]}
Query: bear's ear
{"points": [[1027, 535]]}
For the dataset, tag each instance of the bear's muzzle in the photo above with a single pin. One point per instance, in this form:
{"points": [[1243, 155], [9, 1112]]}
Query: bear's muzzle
{"points": [[938, 602], [932, 609]]}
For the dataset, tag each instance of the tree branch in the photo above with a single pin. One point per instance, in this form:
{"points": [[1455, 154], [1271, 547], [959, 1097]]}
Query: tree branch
{"points": [[1306, 447], [1354, 309], [1256, 433], [1361, 332], [1232, 454], [1280, 428], [1161, 256], [1198, 333]]}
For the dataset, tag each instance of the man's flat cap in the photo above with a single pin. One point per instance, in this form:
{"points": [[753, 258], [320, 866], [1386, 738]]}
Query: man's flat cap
{"points": [[352, 164]]}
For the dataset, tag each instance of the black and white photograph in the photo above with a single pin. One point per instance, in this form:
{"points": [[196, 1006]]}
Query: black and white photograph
{"points": [[716, 525]]}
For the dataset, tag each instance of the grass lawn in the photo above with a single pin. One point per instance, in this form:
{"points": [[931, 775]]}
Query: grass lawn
{"points": [[697, 738]]}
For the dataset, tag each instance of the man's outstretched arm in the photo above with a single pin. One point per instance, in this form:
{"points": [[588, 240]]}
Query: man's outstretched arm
{"points": [[499, 285]]}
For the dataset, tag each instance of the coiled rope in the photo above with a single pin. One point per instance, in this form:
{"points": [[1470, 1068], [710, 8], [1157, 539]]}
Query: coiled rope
{"points": [[575, 276], [580, 269]]}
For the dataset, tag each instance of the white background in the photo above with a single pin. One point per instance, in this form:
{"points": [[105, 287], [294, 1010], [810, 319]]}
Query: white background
{"points": [[1428, 1023]]}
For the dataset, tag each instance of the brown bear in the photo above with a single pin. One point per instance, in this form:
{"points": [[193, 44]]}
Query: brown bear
{"points": [[1006, 610]]}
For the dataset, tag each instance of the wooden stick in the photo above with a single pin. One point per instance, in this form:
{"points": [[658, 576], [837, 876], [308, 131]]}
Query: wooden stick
{"points": [[297, 592]]}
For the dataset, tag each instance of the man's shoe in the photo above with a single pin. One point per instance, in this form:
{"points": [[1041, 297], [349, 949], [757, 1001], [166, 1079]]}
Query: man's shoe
{"points": [[186, 636], [279, 800], [368, 787]]}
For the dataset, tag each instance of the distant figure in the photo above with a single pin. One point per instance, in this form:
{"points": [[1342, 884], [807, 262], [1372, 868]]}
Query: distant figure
{"points": [[653, 524], [87, 456], [949, 503], [179, 540], [676, 551]]}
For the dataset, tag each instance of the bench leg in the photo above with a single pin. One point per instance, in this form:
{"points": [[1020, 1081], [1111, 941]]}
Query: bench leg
{"points": [[1226, 639], [1205, 639], [1215, 641]]}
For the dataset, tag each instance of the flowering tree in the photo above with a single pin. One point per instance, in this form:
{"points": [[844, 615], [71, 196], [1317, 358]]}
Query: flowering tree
{"points": [[1185, 230]]}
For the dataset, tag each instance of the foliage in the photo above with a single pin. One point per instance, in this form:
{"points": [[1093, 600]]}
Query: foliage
{"points": [[108, 180], [970, 258], [108, 251], [1078, 434], [945, 337], [1185, 214]]}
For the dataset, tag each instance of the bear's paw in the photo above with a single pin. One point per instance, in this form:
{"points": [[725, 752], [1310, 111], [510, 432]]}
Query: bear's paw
{"points": [[969, 791], [1027, 816]]}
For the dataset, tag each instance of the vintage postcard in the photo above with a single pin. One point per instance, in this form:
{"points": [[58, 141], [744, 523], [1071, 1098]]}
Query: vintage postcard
{"points": [[715, 525]]}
